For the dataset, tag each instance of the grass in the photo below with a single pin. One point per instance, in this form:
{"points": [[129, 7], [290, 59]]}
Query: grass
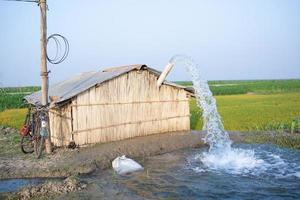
{"points": [[253, 112], [13, 117], [250, 86], [10, 143], [12, 97], [284, 140]]}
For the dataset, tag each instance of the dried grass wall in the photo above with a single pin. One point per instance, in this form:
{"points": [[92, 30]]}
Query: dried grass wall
{"points": [[128, 106], [61, 125]]}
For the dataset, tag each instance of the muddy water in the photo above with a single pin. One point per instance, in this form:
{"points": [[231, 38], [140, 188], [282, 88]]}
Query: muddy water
{"points": [[181, 175], [139, 185], [12, 185], [173, 174]]}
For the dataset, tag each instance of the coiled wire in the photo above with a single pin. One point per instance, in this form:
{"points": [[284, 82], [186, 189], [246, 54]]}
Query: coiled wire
{"points": [[61, 54]]}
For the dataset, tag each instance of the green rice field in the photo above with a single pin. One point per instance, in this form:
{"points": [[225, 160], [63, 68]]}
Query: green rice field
{"points": [[252, 105], [250, 86], [12, 97]]}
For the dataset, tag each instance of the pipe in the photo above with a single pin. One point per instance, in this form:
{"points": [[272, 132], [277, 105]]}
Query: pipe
{"points": [[164, 74]]}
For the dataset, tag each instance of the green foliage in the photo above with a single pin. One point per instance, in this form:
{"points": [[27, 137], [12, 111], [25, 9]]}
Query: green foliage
{"points": [[184, 83], [295, 125], [12, 97], [250, 86], [281, 139], [196, 122], [229, 90], [11, 101], [25, 90]]}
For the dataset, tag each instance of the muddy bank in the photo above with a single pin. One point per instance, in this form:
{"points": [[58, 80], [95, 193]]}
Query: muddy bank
{"points": [[48, 189], [71, 163], [65, 162]]}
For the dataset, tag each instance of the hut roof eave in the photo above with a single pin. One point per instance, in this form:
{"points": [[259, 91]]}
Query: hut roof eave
{"points": [[63, 91]]}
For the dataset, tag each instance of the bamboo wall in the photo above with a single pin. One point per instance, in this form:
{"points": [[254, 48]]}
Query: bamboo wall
{"points": [[128, 106], [61, 125]]}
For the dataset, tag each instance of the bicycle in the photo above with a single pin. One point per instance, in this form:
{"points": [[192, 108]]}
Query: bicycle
{"points": [[34, 131]]}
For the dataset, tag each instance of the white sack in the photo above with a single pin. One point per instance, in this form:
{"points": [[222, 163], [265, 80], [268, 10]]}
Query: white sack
{"points": [[123, 165]]}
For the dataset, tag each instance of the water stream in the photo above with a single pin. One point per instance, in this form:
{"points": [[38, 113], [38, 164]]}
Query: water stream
{"points": [[221, 155], [216, 136]]}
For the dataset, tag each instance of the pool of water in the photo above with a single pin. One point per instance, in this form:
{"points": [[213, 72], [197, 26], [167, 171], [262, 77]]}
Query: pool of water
{"points": [[275, 175], [269, 172], [12, 185], [183, 175]]}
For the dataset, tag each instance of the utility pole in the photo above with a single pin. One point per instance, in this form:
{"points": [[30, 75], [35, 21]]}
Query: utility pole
{"points": [[44, 72]]}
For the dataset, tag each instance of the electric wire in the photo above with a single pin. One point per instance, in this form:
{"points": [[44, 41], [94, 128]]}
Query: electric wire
{"points": [[60, 55], [26, 1], [62, 48]]}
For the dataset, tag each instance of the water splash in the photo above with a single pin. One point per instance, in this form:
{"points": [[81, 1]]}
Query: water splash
{"points": [[220, 155], [216, 136], [235, 161], [255, 160]]}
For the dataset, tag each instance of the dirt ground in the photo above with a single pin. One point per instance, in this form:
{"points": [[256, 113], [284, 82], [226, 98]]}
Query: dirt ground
{"points": [[65, 162]]}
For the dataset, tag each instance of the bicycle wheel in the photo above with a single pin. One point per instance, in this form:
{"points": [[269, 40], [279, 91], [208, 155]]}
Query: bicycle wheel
{"points": [[39, 146], [26, 144]]}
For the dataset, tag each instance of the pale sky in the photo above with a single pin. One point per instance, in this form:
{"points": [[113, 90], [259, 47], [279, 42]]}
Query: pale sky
{"points": [[230, 39]]}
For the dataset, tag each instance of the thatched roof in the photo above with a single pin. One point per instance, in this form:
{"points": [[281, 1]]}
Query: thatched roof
{"points": [[75, 85]]}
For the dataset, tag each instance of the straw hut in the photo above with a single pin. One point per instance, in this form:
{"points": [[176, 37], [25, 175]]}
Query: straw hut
{"points": [[114, 104]]}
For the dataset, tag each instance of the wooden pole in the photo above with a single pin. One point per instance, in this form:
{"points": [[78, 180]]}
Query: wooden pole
{"points": [[44, 72]]}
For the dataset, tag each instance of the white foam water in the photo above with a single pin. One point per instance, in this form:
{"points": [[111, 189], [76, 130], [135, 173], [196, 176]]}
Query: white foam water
{"points": [[297, 174], [236, 161], [248, 160], [221, 156]]}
